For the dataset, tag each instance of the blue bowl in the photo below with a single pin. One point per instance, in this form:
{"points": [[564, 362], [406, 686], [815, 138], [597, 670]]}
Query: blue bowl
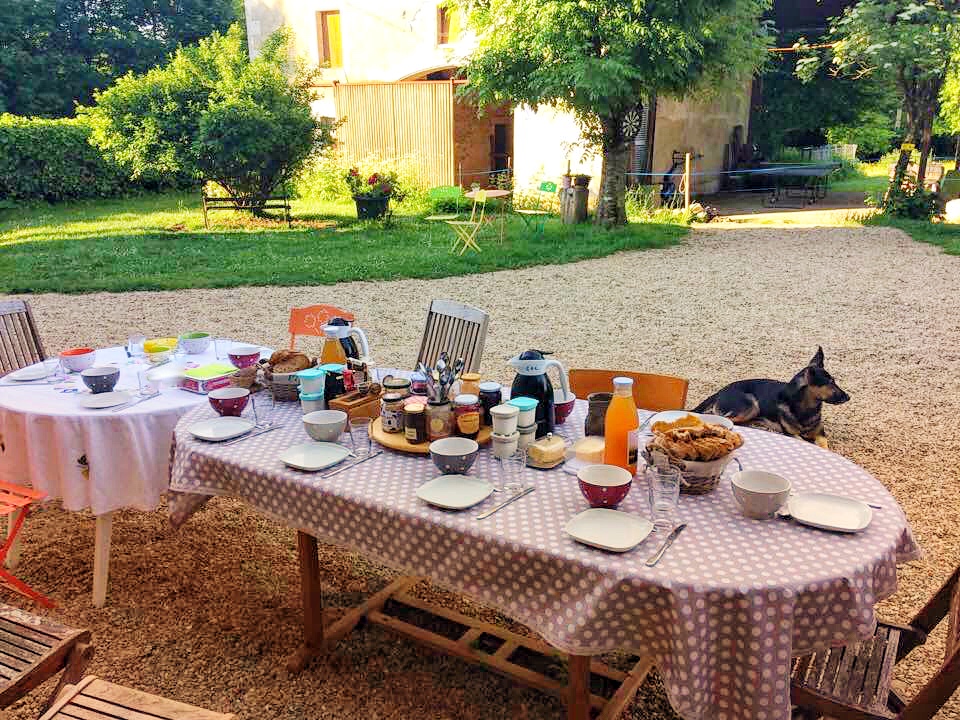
{"points": [[100, 379]]}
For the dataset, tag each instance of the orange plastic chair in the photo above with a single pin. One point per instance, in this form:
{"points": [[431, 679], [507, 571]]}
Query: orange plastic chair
{"points": [[16, 499], [310, 320], [650, 392]]}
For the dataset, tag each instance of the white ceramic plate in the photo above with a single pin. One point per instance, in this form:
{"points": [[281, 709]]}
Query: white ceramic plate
{"points": [[672, 415], [454, 492], [608, 529], [34, 372], [314, 456], [829, 512], [220, 429], [98, 401]]}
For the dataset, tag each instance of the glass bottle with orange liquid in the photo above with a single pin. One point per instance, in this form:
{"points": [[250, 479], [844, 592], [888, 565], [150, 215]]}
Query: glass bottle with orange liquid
{"points": [[620, 427]]}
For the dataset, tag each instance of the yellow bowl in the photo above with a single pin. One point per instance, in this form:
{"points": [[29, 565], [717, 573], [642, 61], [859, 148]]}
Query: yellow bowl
{"points": [[159, 344], [159, 354]]}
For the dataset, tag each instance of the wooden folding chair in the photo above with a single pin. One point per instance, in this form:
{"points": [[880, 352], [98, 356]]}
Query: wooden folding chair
{"points": [[458, 329], [536, 218], [96, 699], [20, 344], [853, 682], [310, 320], [467, 230], [15, 501], [34, 649], [650, 392]]}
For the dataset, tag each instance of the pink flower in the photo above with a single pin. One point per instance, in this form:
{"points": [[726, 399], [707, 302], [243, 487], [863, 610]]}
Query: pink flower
{"points": [[354, 171]]}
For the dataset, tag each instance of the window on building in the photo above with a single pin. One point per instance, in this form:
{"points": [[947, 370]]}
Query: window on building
{"points": [[448, 25], [328, 38]]}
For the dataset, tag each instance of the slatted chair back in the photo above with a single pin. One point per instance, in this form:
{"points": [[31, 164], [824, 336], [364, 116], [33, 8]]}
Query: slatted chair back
{"points": [[20, 343], [854, 682], [310, 320], [96, 699], [650, 391], [33, 649], [458, 329]]}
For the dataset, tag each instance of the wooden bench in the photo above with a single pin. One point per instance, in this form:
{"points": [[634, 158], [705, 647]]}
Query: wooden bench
{"points": [[96, 699], [34, 649], [226, 202], [932, 178]]}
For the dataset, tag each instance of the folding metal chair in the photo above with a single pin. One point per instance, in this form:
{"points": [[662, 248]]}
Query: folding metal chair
{"points": [[467, 230], [310, 320], [15, 501], [536, 218]]}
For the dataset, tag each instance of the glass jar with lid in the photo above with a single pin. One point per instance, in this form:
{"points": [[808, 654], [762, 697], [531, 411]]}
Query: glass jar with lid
{"points": [[415, 423], [439, 419], [466, 414], [391, 412]]}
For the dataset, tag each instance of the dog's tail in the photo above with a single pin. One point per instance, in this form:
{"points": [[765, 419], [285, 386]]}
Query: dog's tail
{"points": [[707, 404]]}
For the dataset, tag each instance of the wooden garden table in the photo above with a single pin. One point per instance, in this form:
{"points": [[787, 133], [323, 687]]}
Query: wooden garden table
{"points": [[721, 615]]}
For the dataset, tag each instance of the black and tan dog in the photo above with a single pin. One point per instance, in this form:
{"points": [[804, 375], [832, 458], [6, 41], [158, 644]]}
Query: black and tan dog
{"points": [[792, 408]]}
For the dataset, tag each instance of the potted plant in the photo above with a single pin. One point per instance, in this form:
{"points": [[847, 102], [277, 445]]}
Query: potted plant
{"points": [[371, 193]]}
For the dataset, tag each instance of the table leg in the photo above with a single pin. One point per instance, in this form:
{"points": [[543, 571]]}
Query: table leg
{"points": [[101, 558], [13, 554], [311, 595], [578, 702]]}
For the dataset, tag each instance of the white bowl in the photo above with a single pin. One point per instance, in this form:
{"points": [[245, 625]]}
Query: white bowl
{"points": [[759, 494], [325, 425], [78, 363], [195, 345]]}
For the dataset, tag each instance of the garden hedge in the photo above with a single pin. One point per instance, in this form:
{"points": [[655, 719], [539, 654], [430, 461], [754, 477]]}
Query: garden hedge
{"points": [[52, 160]]}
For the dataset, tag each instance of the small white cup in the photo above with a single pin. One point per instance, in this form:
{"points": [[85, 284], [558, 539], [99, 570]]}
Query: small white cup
{"points": [[504, 419]]}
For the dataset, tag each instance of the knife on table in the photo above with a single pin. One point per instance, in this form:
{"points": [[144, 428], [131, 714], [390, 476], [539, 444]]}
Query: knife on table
{"points": [[506, 502], [655, 558]]}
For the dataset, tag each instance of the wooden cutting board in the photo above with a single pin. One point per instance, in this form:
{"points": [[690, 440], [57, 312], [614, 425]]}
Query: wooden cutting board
{"points": [[396, 441]]}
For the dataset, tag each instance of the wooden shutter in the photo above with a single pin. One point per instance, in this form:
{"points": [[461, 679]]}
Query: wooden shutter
{"points": [[329, 45]]}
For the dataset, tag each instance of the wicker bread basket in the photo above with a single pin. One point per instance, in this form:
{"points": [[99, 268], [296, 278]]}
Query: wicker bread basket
{"points": [[285, 387], [245, 377], [696, 477]]}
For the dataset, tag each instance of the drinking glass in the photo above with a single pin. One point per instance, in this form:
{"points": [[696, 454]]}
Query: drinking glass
{"points": [[263, 406], [146, 385], [221, 346], [664, 489], [135, 345], [54, 370], [513, 471], [360, 436]]}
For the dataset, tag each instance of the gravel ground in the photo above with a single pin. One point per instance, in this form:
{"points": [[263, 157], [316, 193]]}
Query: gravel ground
{"points": [[208, 614]]}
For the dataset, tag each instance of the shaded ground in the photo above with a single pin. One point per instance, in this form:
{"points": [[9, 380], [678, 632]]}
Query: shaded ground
{"points": [[208, 614]]}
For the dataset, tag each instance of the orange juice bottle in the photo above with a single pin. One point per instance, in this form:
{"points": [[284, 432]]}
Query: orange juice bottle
{"points": [[620, 427]]}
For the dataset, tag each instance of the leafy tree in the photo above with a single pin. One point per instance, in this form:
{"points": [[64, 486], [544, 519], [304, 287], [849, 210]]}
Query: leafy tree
{"points": [[908, 41], [57, 52], [212, 113], [599, 58]]}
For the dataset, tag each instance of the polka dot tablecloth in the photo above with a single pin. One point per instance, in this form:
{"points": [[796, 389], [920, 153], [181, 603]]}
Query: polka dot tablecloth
{"points": [[722, 613]]}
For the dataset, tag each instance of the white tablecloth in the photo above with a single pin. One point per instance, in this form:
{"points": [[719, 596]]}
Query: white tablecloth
{"points": [[97, 459]]}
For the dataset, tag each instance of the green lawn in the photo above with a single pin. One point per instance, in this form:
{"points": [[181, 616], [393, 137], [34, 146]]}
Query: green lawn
{"points": [[158, 242], [946, 236], [871, 177]]}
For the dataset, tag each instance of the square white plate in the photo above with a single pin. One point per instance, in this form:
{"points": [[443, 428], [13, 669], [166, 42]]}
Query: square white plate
{"points": [[314, 456], [454, 492], [673, 415], [99, 401], [220, 428], [829, 512], [34, 372], [608, 529]]}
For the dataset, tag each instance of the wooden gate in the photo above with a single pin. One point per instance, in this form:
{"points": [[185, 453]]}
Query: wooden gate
{"points": [[408, 120]]}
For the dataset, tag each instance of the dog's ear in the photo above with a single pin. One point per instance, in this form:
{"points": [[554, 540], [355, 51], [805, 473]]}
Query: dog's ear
{"points": [[817, 360]]}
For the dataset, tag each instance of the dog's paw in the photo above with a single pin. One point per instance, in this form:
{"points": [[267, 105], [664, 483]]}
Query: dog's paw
{"points": [[821, 440]]}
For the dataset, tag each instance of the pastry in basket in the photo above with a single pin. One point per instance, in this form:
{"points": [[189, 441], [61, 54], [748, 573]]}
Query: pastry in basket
{"points": [[699, 443], [687, 420], [288, 361]]}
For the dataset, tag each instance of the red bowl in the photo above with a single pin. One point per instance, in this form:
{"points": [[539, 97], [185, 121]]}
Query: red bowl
{"points": [[244, 357], [604, 486], [229, 401], [562, 407]]}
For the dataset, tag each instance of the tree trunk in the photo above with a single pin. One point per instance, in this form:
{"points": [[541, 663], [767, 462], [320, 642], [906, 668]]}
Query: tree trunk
{"points": [[611, 208]]}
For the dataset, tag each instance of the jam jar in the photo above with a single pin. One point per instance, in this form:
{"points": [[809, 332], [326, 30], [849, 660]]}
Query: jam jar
{"points": [[415, 423], [391, 412], [418, 383], [439, 419], [489, 398], [393, 384], [466, 415]]}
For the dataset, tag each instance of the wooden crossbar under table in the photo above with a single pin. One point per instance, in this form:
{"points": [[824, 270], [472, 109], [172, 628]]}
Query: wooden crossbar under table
{"points": [[481, 643]]}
